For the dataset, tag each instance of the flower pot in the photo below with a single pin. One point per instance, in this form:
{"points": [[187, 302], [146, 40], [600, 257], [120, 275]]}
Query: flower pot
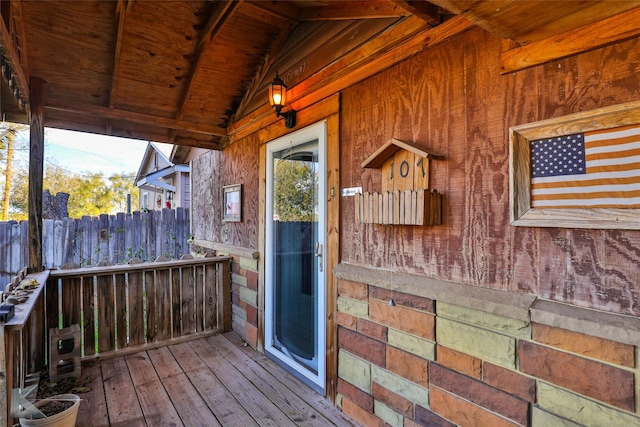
{"points": [[66, 418]]}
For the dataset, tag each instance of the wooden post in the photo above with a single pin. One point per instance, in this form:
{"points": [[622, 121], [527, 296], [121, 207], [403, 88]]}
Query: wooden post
{"points": [[36, 172]]}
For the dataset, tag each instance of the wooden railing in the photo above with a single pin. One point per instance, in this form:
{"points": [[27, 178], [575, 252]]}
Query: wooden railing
{"points": [[129, 306], [120, 309]]}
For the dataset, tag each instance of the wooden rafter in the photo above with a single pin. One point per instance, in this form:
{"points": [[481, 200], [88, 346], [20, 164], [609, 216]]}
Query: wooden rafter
{"points": [[424, 10], [353, 10], [284, 16], [264, 69], [224, 11], [13, 58], [134, 117], [121, 10]]}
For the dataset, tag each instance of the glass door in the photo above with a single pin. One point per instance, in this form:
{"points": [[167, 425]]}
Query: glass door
{"points": [[294, 254]]}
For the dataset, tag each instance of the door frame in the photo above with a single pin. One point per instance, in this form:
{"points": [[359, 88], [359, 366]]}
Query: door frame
{"points": [[329, 110], [314, 132]]}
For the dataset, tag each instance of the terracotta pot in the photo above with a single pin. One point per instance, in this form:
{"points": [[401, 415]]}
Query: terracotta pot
{"points": [[66, 418]]}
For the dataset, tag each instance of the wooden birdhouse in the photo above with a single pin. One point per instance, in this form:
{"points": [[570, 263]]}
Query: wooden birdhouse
{"points": [[406, 198]]}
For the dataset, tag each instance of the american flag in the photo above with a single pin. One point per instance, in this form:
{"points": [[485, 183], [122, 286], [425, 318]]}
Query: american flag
{"points": [[599, 169]]}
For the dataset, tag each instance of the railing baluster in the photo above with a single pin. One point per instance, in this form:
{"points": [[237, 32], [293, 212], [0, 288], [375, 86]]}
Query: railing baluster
{"points": [[200, 295], [121, 309], [106, 313], [163, 304], [89, 315], [176, 302], [188, 300], [136, 309], [150, 305], [211, 297]]}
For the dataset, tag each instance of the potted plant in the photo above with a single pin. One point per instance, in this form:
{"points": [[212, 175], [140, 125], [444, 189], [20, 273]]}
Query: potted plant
{"points": [[60, 410]]}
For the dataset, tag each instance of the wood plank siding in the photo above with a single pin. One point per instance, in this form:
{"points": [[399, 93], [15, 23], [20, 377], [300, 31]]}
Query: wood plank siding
{"points": [[207, 382]]}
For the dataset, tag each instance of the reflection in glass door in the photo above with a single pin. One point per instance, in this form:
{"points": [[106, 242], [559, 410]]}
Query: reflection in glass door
{"points": [[294, 255]]}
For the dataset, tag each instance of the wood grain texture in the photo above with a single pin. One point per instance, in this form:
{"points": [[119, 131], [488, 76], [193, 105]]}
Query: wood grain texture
{"points": [[460, 105]]}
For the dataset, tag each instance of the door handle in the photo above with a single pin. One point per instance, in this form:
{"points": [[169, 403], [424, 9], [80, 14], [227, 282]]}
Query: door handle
{"points": [[319, 255]]}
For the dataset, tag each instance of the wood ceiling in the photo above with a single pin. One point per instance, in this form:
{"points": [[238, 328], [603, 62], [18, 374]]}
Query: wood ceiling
{"points": [[184, 71]]}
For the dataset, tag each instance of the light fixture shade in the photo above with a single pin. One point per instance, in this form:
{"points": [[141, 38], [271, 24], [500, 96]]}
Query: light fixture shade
{"points": [[277, 93]]}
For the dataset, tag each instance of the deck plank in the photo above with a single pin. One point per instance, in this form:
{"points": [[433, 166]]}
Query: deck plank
{"points": [[296, 408], [190, 405], [204, 382], [154, 400], [122, 401], [221, 401], [292, 383], [93, 405], [263, 411]]}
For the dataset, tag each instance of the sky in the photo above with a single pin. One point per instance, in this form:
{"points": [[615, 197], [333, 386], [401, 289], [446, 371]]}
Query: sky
{"points": [[80, 152]]}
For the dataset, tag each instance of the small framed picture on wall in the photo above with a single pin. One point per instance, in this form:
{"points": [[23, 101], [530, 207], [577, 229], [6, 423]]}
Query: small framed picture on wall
{"points": [[232, 199]]}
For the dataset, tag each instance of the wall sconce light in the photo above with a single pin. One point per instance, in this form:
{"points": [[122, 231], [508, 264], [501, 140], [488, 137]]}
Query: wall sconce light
{"points": [[169, 195], [278, 99]]}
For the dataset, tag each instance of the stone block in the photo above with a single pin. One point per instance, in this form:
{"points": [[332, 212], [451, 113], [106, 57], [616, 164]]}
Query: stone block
{"points": [[360, 415], [353, 307], [405, 319], [586, 345], [238, 279], [354, 290], [250, 264], [251, 335], [510, 381], [408, 366], [357, 396], [252, 280], [362, 346], [249, 296], [452, 359], [411, 343], [346, 320], [464, 413], [252, 315], [388, 415], [592, 379], [401, 386], [425, 417], [392, 400], [354, 370], [481, 343], [372, 329], [401, 298], [540, 418], [485, 320], [579, 409], [239, 313], [479, 393]]}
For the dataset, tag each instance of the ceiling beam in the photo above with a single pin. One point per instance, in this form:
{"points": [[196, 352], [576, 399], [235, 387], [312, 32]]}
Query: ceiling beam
{"points": [[353, 10], [131, 116], [602, 33], [424, 10]]}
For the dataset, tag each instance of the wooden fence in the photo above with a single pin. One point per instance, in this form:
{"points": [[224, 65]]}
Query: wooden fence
{"points": [[89, 240]]}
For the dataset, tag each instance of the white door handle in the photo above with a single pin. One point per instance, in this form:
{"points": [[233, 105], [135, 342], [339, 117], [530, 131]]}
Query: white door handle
{"points": [[319, 255]]}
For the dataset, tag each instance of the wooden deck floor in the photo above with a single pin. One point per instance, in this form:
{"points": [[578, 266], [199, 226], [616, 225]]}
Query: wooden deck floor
{"points": [[207, 382]]}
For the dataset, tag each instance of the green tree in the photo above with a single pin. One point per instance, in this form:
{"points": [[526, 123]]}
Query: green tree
{"points": [[295, 190], [123, 185]]}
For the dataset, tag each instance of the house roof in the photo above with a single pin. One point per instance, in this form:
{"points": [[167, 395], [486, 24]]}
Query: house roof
{"points": [[188, 72], [153, 179]]}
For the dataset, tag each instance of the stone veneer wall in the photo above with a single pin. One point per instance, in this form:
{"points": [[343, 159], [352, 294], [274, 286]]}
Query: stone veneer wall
{"points": [[244, 288], [449, 354]]}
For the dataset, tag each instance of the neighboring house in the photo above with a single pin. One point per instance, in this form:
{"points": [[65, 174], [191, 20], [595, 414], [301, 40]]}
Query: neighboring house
{"points": [[162, 183]]}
